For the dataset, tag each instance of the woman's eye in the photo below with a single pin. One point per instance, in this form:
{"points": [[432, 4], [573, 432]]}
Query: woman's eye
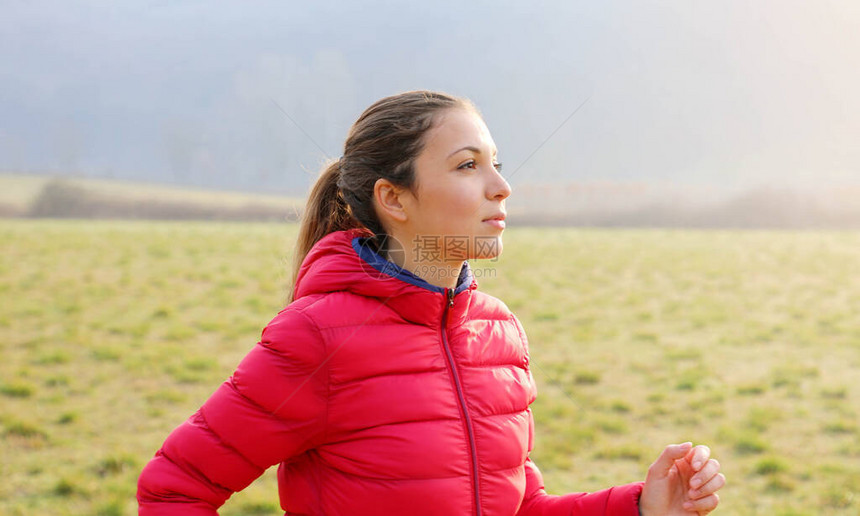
{"points": [[473, 165]]}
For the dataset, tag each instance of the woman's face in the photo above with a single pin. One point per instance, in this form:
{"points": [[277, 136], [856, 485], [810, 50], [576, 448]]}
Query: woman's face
{"points": [[459, 206]]}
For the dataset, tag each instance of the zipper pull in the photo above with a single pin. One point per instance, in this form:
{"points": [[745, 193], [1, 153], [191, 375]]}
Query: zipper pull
{"points": [[450, 293]]}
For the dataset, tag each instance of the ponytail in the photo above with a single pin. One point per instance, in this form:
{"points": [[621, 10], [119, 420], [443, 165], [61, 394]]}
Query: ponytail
{"points": [[325, 212]]}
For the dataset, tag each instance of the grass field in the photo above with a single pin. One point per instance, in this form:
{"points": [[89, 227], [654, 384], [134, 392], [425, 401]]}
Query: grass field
{"points": [[112, 333]]}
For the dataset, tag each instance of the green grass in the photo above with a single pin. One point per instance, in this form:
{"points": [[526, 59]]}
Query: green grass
{"points": [[112, 333]]}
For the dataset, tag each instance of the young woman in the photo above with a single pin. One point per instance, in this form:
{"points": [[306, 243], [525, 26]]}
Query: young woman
{"points": [[391, 385]]}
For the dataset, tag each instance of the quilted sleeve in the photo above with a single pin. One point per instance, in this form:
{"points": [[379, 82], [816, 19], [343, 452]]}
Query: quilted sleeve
{"points": [[272, 407], [616, 501]]}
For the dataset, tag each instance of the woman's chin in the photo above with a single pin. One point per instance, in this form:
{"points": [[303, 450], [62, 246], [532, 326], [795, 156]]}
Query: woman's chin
{"points": [[487, 248]]}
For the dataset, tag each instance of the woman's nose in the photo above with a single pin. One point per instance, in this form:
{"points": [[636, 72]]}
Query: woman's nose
{"points": [[499, 187]]}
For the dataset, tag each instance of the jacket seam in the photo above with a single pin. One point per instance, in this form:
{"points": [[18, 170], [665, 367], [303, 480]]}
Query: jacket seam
{"points": [[393, 423], [498, 365], [606, 500], [230, 446], [313, 323], [193, 470], [250, 400], [197, 473], [385, 375], [361, 325], [509, 413], [410, 479], [402, 322], [505, 468]]}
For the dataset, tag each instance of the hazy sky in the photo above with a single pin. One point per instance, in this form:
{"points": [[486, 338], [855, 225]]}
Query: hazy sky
{"points": [[729, 93]]}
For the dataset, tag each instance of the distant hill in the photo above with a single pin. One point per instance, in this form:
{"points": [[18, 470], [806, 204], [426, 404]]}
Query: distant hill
{"points": [[37, 196], [574, 204], [644, 205]]}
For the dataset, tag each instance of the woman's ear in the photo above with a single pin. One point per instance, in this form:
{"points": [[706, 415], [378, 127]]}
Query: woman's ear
{"points": [[389, 198]]}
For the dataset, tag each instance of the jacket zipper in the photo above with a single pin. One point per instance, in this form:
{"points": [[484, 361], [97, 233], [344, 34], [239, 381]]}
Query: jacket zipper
{"points": [[449, 294]]}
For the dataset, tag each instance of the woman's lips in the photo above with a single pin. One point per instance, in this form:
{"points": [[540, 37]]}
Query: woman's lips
{"points": [[499, 223]]}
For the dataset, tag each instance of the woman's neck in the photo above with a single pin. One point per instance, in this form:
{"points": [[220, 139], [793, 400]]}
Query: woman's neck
{"points": [[435, 272]]}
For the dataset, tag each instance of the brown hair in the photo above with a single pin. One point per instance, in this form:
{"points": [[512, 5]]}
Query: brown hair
{"points": [[382, 143]]}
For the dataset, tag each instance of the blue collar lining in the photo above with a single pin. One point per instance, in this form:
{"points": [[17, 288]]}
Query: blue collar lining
{"points": [[384, 266]]}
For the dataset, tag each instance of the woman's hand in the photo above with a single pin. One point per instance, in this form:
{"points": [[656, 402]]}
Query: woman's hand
{"points": [[682, 481]]}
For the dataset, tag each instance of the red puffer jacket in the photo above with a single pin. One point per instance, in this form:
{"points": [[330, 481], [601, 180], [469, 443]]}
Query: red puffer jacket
{"points": [[378, 394]]}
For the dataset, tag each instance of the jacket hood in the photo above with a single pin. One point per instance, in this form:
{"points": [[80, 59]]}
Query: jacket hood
{"points": [[342, 261]]}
